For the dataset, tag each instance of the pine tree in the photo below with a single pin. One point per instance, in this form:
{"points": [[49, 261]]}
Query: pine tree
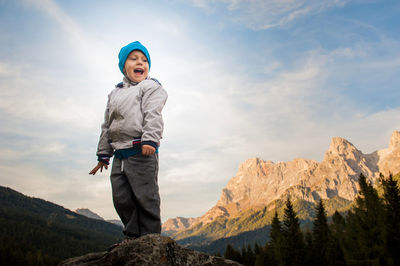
{"points": [[257, 249], [338, 225], [232, 254], [248, 257], [321, 236], [265, 257], [259, 255], [365, 228], [337, 230], [309, 248], [392, 219], [275, 243], [293, 243], [271, 254]]}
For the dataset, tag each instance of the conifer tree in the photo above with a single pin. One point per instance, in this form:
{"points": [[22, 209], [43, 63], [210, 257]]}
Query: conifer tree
{"points": [[392, 221], [272, 252], [365, 228], [265, 257], [337, 230], [338, 225], [257, 249], [260, 256], [232, 254], [248, 257], [243, 254], [293, 252], [321, 236], [275, 243], [308, 248]]}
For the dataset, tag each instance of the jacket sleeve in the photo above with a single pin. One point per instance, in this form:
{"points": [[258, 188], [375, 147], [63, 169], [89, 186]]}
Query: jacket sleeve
{"points": [[153, 102], [104, 149]]}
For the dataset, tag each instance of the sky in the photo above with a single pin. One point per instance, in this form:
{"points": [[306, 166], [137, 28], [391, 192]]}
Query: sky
{"points": [[270, 79]]}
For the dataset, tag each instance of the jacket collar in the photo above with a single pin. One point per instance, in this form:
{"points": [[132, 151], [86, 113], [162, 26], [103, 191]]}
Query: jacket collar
{"points": [[128, 82]]}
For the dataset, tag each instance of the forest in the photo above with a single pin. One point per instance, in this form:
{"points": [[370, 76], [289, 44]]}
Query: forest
{"points": [[37, 232], [368, 234]]}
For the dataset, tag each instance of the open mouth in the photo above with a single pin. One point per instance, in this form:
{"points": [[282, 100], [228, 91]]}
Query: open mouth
{"points": [[139, 71]]}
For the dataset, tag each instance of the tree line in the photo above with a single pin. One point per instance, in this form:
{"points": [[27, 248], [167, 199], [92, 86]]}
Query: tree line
{"points": [[38, 232], [369, 234]]}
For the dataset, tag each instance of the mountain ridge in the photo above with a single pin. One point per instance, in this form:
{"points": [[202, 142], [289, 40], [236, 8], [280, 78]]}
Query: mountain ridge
{"points": [[90, 214], [259, 183]]}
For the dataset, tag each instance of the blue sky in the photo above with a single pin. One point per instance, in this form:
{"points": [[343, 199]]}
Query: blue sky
{"points": [[269, 79]]}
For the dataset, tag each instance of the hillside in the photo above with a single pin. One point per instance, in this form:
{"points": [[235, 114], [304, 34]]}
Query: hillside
{"points": [[248, 201], [35, 231]]}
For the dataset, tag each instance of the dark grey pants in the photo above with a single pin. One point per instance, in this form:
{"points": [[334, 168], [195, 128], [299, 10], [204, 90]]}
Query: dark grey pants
{"points": [[135, 194]]}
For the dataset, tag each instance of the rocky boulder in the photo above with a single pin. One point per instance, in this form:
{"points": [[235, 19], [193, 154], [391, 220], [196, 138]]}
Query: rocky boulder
{"points": [[151, 249]]}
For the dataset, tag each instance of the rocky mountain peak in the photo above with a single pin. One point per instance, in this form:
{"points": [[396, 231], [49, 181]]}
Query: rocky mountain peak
{"points": [[258, 183], [395, 140], [390, 157], [252, 162], [342, 147], [254, 166], [88, 213], [177, 224]]}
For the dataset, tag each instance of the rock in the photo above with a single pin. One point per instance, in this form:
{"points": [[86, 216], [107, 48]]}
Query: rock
{"points": [[395, 140], [390, 157], [150, 249]]}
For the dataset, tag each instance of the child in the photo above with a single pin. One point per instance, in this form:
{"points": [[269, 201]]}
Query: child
{"points": [[131, 131]]}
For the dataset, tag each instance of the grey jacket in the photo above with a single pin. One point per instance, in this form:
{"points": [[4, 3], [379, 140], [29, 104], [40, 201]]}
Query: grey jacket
{"points": [[133, 111]]}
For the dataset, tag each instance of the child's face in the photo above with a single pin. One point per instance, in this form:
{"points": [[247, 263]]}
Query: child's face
{"points": [[136, 66]]}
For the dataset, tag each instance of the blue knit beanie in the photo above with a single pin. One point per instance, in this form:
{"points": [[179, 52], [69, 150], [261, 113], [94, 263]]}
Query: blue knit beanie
{"points": [[126, 50]]}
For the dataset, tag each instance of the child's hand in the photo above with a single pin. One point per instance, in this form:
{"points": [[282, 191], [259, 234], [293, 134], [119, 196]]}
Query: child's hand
{"points": [[148, 150], [100, 166]]}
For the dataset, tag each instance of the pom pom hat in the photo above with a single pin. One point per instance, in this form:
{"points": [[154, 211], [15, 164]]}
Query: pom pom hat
{"points": [[126, 50]]}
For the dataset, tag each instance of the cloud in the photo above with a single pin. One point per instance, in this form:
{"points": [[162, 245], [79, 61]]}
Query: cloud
{"points": [[262, 15], [219, 112], [29, 105], [8, 70], [222, 119], [67, 187], [215, 125], [62, 90], [51, 123], [90, 52]]}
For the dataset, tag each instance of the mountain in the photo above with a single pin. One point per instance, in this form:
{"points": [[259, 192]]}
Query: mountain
{"points": [[35, 231], [88, 213], [249, 199], [116, 222], [177, 224]]}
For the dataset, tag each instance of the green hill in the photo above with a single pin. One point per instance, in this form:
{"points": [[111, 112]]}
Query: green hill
{"points": [[37, 232]]}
